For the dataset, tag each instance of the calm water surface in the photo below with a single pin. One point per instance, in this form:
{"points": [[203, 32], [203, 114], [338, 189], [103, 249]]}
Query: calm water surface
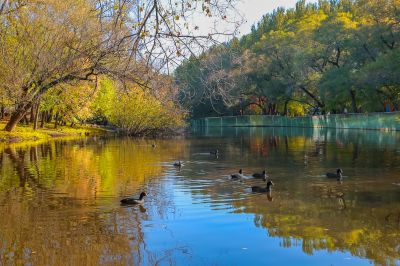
{"points": [[59, 201]]}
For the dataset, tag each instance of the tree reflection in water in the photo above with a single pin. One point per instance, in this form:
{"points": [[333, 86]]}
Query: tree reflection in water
{"points": [[60, 200], [315, 213]]}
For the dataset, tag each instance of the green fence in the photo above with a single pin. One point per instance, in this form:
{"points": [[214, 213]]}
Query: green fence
{"points": [[377, 121]]}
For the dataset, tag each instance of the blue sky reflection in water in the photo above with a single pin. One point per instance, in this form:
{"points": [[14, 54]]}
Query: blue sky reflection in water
{"points": [[232, 239], [62, 200]]}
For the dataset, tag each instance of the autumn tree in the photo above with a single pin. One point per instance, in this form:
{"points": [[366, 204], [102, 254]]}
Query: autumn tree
{"points": [[45, 44]]}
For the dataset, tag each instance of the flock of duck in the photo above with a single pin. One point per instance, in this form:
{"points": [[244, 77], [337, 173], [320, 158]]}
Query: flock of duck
{"points": [[237, 176]]}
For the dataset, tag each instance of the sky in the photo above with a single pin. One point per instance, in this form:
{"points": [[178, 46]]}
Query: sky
{"points": [[253, 10]]}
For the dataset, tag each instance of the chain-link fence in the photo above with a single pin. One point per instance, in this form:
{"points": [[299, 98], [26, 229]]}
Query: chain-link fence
{"points": [[376, 121]]}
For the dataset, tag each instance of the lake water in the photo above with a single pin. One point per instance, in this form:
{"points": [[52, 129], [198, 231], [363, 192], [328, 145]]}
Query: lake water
{"points": [[59, 201]]}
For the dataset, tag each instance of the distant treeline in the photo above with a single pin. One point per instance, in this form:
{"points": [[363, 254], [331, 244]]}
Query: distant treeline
{"points": [[332, 56]]}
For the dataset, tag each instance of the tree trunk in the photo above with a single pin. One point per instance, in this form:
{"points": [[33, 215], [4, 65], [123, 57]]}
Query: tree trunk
{"points": [[25, 118], [353, 100], [285, 108], [56, 120], [16, 117], [43, 119], [49, 116], [2, 111], [14, 120], [319, 103], [32, 116], [396, 104], [35, 121]]}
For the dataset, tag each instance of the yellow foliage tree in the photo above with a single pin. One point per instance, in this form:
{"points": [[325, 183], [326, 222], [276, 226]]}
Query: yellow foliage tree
{"points": [[140, 113]]}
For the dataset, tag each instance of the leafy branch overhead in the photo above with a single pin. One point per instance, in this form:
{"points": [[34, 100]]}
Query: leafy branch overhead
{"points": [[55, 44]]}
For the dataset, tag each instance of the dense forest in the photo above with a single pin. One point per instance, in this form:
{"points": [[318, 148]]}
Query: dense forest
{"points": [[334, 56], [97, 61]]}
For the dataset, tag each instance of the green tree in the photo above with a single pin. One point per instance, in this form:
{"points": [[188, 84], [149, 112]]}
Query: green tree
{"points": [[326, 56]]}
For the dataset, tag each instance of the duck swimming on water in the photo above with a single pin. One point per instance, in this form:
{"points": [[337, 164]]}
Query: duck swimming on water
{"points": [[338, 174], [178, 164], [215, 152], [238, 175], [263, 175], [140, 200], [268, 188]]}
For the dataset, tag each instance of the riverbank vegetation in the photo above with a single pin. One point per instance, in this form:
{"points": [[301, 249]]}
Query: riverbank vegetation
{"points": [[68, 63], [326, 57], [25, 133], [104, 62]]}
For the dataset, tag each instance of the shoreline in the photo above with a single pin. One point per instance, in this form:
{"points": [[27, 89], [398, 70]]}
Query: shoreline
{"points": [[25, 133]]}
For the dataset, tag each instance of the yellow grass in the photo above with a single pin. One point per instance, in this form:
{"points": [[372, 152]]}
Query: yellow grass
{"points": [[26, 132]]}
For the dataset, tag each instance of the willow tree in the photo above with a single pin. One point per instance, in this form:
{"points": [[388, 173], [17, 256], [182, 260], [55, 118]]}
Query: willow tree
{"points": [[48, 43]]}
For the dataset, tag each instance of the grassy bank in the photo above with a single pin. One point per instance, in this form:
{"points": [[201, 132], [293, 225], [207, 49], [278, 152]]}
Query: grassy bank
{"points": [[26, 132]]}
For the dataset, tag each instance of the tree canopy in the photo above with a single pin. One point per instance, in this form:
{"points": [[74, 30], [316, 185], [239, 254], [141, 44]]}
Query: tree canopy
{"points": [[328, 56], [54, 53]]}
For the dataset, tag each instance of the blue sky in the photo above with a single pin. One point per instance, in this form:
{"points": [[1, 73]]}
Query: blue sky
{"points": [[253, 10]]}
